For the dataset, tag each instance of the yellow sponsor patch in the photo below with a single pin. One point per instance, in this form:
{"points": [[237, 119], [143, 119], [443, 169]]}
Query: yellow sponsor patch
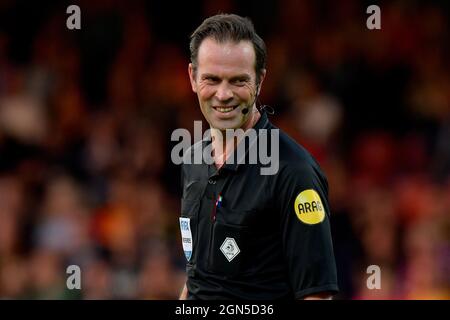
{"points": [[309, 207]]}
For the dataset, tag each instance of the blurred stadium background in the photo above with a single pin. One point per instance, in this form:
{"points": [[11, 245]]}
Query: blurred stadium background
{"points": [[86, 118]]}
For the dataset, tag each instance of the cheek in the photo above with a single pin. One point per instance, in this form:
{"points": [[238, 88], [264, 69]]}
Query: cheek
{"points": [[245, 93], [205, 93]]}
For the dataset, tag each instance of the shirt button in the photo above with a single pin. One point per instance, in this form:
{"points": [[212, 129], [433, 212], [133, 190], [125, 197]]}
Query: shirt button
{"points": [[212, 181]]}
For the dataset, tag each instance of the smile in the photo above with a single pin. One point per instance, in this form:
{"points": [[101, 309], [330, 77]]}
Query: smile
{"points": [[224, 109]]}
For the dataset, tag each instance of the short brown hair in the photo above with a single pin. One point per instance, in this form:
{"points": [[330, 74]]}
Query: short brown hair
{"points": [[229, 27]]}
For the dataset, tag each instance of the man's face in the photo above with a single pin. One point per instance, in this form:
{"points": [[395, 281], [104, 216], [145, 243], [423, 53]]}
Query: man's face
{"points": [[225, 82]]}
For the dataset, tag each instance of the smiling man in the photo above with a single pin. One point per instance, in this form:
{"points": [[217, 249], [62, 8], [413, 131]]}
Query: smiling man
{"points": [[247, 235], [226, 75], [224, 78]]}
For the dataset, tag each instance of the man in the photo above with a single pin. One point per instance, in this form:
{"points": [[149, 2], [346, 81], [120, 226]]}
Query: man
{"points": [[247, 235]]}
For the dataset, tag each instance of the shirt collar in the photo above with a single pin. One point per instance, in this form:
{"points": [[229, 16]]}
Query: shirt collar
{"points": [[262, 123]]}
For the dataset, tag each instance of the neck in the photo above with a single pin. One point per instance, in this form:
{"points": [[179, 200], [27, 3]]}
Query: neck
{"points": [[222, 147], [252, 119]]}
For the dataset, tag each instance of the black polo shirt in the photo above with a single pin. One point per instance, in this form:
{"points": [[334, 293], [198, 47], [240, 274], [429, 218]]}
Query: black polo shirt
{"points": [[253, 236]]}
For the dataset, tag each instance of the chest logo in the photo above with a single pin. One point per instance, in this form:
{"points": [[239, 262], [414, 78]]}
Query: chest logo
{"points": [[308, 207], [230, 249]]}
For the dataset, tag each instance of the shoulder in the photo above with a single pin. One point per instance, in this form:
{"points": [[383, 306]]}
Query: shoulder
{"points": [[297, 164], [295, 157], [192, 164], [193, 154]]}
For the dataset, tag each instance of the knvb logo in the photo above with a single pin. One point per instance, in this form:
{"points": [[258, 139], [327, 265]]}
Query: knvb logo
{"points": [[254, 146], [230, 249]]}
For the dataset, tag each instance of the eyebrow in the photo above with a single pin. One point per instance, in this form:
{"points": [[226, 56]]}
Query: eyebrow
{"points": [[209, 75], [243, 76]]}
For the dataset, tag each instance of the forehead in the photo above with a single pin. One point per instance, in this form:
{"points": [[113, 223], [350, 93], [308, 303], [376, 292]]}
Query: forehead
{"points": [[226, 58]]}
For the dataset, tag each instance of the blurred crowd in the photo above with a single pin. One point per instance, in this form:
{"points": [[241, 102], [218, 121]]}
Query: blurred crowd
{"points": [[86, 118]]}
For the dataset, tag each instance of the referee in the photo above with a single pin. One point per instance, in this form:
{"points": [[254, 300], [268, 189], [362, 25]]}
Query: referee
{"points": [[248, 235]]}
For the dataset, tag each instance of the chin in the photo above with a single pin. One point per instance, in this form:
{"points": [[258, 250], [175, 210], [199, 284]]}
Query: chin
{"points": [[221, 126], [224, 124]]}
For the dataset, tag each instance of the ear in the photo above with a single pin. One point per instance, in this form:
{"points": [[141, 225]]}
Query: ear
{"points": [[261, 80], [192, 77]]}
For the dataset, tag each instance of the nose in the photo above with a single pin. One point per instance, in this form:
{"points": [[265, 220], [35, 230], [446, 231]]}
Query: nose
{"points": [[224, 93]]}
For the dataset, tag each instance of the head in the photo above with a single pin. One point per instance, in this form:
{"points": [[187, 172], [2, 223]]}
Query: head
{"points": [[227, 69]]}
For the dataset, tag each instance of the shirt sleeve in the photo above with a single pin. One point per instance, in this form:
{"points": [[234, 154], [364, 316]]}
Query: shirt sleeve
{"points": [[305, 229]]}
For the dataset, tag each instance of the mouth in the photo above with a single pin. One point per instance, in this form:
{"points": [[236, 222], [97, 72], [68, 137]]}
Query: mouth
{"points": [[225, 109]]}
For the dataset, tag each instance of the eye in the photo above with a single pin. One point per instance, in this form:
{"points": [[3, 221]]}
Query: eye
{"points": [[211, 80], [239, 82]]}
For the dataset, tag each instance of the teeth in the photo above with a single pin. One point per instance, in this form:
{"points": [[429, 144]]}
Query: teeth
{"points": [[226, 109]]}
